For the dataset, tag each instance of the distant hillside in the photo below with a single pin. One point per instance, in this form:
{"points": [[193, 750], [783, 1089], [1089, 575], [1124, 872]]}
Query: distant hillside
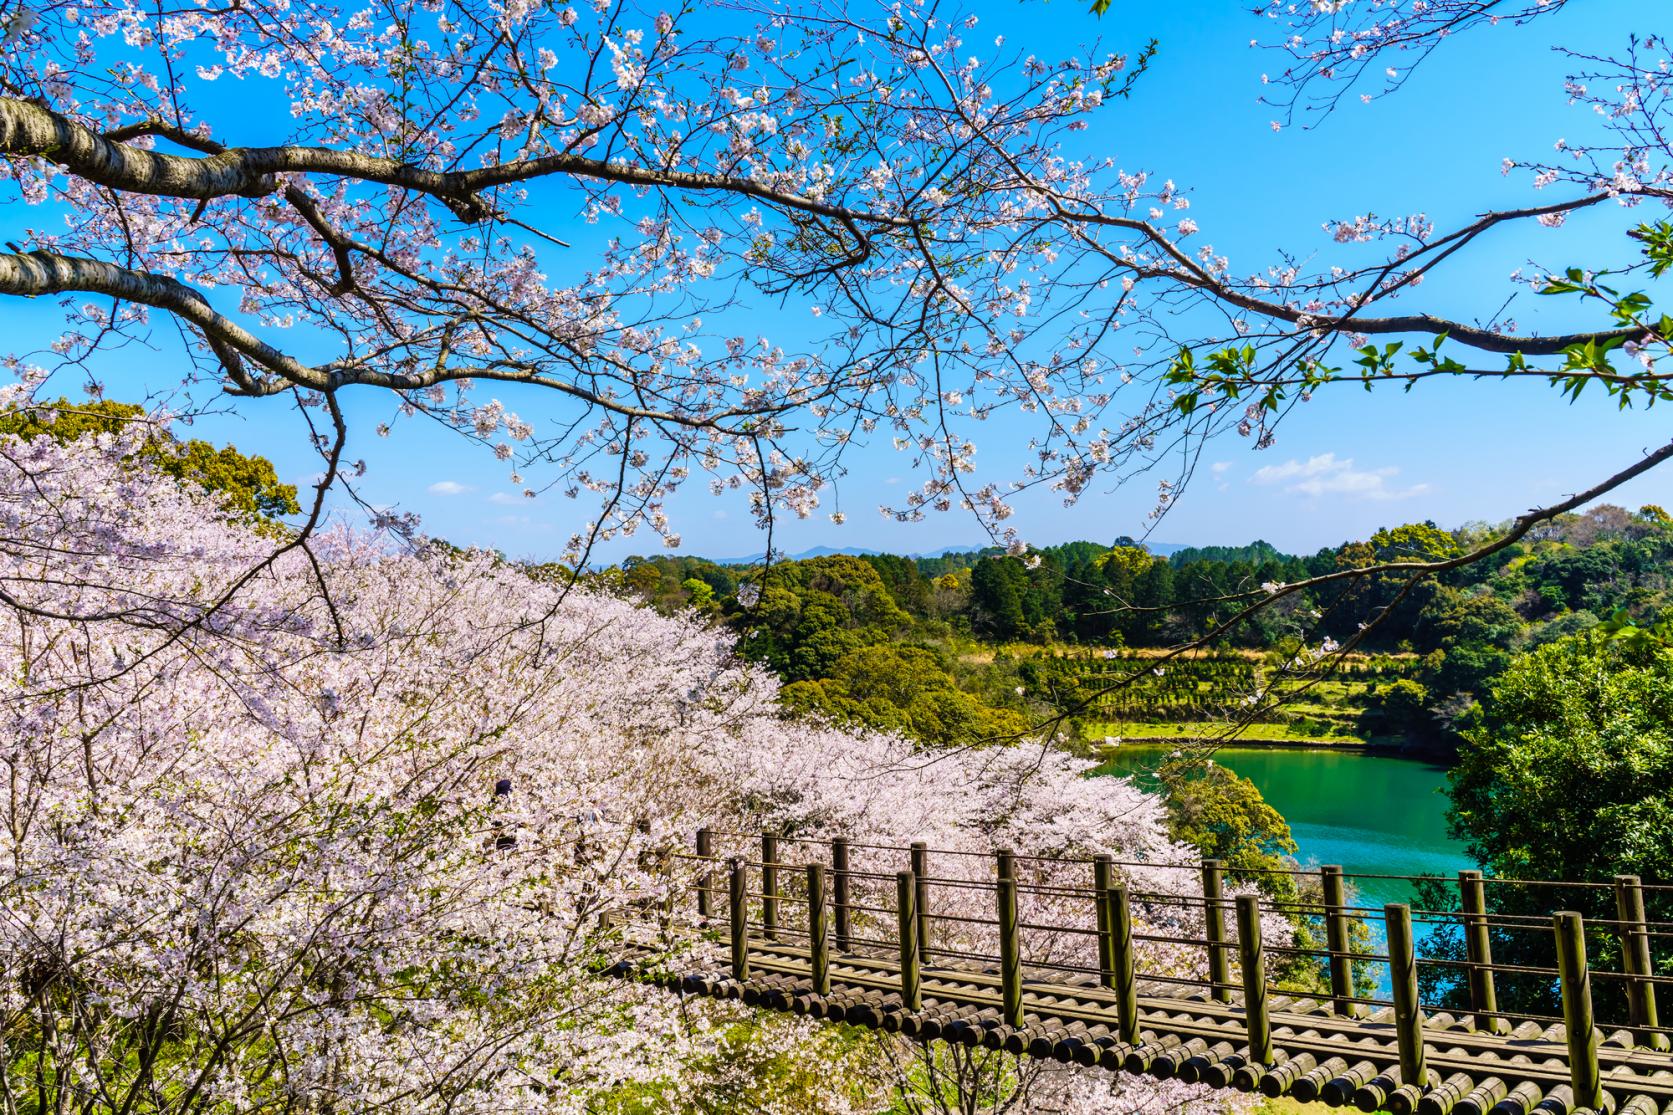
{"points": [[1253, 554], [973, 550], [844, 551]]}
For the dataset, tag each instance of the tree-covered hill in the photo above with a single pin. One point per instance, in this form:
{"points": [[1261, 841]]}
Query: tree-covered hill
{"points": [[943, 629]]}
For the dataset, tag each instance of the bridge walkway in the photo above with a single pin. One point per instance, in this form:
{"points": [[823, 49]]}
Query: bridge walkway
{"points": [[1194, 999]]}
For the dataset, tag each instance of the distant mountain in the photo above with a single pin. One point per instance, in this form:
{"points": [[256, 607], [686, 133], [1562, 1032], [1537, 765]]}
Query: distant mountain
{"points": [[1160, 549]]}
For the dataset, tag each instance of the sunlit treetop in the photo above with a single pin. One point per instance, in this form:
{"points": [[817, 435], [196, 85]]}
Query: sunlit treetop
{"points": [[248, 483]]}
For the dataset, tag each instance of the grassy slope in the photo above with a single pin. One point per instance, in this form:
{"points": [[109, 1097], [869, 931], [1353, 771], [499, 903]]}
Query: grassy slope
{"points": [[1183, 730]]}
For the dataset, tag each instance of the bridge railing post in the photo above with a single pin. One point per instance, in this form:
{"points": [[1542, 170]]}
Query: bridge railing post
{"points": [[706, 881], [1103, 877], [1636, 961], [818, 930], [1010, 941], [1338, 940], [1576, 981], [1408, 1012], [1250, 956], [906, 901], [769, 886], [839, 893], [920, 872], [1478, 949], [739, 913], [1118, 915], [1214, 929]]}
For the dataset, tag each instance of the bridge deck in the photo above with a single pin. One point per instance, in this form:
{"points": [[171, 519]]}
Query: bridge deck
{"points": [[1031, 960], [1320, 1055]]}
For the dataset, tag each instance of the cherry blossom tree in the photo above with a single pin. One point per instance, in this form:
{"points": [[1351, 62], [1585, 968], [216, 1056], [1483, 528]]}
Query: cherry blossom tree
{"points": [[359, 835]]}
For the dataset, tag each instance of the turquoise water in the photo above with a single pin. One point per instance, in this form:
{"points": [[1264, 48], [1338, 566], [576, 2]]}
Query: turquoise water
{"points": [[1370, 813]]}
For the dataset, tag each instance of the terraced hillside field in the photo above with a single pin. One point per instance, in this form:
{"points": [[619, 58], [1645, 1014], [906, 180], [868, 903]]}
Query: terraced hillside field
{"points": [[1130, 695]]}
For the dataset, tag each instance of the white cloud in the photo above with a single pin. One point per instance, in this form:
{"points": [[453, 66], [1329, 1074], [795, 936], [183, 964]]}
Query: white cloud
{"points": [[505, 499], [1220, 467], [525, 524], [449, 488], [1327, 474]]}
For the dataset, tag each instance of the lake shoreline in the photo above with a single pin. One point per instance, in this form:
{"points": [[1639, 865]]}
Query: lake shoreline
{"points": [[1275, 744], [1355, 746]]}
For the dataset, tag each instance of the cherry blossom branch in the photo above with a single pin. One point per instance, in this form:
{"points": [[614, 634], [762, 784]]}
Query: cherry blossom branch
{"points": [[28, 129], [1190, 274], [37, 273]]}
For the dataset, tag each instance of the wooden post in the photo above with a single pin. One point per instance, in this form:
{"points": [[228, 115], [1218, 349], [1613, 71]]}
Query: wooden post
{"points": [[1010, 941], [740, 920], [1254, 978], [1338, 940], [1214, 929], [1478, 948], [1402, 974], [818, 930], [1576, 981], [839, 893], [906, 900], [1118, 915], [1635, 960], [769, 886], [920, 872], [1103, 877], [705, 881]]}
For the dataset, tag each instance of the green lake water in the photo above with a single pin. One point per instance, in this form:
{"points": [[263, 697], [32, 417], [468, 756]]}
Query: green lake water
{"points": [[1371, 813]]}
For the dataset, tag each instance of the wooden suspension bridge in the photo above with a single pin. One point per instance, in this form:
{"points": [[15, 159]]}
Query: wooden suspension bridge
{"points": [[1046, 957]]}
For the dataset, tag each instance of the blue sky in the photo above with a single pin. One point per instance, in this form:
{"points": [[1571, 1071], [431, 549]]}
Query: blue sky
{"points": [[1342, 465]]}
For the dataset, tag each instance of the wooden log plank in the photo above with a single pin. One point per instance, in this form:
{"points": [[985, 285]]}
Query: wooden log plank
{"points": [[1072, 1013], [1309, 1084]]}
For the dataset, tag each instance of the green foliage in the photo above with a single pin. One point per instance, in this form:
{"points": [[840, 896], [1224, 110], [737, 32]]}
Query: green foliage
{"points": [[1396, 709], [907, 690], [248, 483], [668, 584], [997, 589], [1421, 542], [1128, 561], [1223, 815], [1568, 775], [1255, 553], [832, 629]]}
